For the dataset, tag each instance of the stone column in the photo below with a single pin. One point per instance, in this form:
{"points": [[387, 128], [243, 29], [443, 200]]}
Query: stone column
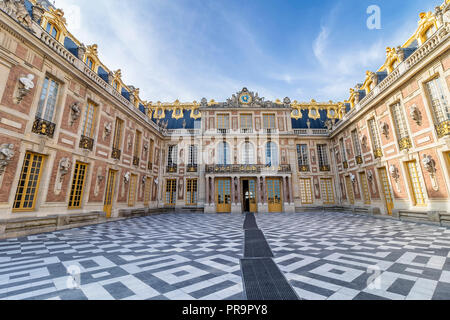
{"points": [[213, 191], [291, 191], [207, 201], [264, 191], [233, 186], [285, 194], [239, 191]]}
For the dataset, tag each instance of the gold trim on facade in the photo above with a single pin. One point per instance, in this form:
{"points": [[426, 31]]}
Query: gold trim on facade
{"points": [[443, 129], [405, 144]]}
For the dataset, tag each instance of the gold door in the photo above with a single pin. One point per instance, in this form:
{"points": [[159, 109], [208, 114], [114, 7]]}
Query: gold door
{"points": [[386, 190], [350, 195], [147, 192], [132, 191], [274, 195], [252, 195], [109, 198], [223, 195]]}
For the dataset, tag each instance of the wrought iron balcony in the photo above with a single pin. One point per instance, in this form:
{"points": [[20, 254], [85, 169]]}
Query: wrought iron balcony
{"points": [[345, 164], [443, 129], [116, 153], [325, 168], [405, 144], [246, 130], [43, 127], [87, 143], [378, 153], [136, 161], [223, 131], [359, 159], [270, 131], [192, 168], [246, 168], [303, 168], [173, 168]]}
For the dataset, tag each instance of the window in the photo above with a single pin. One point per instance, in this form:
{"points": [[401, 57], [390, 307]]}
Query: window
{"points": [[271, 154], [193, 155], [400, 126], [269, 121], [323, 155], [365, 187], [439, 102], [248, 154], [326, 186], [417, 192], [306, 191], [137, 144], [28, 186], [116, 85], [223, 121], [47, 101], [246, 123], [171, 191], [223, 153], [132, 191], [52, 30], [90, 63], [88, 120], [172, 156], [191, 192], [343, 152], [375, 137], [117, 143], [356, 143], [76, 194], [302, 155]]}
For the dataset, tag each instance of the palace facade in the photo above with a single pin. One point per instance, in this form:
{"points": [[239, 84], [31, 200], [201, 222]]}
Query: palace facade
{"points": [[75, 140]]}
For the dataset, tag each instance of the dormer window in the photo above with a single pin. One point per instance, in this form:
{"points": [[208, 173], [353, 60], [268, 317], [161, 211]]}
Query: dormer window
{"points": [[116, 85], [52, 30], [90, 63]]}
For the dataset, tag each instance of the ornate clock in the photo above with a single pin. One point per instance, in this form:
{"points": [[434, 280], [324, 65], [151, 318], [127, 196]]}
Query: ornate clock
{"points": [[245, 98]]}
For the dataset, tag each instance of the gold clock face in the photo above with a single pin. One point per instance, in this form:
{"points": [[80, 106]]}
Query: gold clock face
{"points": [[245, 98]]}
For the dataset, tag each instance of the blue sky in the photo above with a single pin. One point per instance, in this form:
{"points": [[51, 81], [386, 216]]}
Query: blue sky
{"points": [[189, 49]]}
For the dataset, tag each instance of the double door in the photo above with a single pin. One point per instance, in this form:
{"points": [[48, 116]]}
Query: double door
{"points": [[274, 195], [223, 195]]}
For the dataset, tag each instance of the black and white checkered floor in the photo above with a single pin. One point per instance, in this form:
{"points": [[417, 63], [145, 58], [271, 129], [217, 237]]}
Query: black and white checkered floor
{"points": [[195, 256]]}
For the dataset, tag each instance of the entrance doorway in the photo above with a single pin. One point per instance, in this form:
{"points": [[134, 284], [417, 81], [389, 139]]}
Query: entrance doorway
{"points": [[249, 195], [274, 195], [109, 198], [223, 195]]}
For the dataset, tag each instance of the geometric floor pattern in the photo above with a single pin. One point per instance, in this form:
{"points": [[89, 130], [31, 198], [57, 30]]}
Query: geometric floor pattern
{"points": [[195, 256], [176, 257], [348, 257]]}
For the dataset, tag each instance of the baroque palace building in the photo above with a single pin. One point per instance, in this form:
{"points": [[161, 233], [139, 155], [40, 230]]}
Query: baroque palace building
{"points": [[78, 145]]}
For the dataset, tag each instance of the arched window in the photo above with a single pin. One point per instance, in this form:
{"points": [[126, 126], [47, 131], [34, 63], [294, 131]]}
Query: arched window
{"points": [[90, 63], [52, 30], [248, 153], [271, 154], [223, 153], [116, 85]]}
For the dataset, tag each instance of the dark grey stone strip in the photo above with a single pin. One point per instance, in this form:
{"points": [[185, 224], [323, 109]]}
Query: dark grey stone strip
{"points": [[261, 277]]}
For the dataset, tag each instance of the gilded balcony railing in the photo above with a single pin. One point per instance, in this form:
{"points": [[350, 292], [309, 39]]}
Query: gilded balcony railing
{"points": [[172, 168], [136, 161], [443, 129], [246, 168], [325, 168], [192, 168], [86, 143], [150, 166], [405, 144], [378, 153], [116, 153], [303, 168], [345, 164], [359, 159], [43, 127]]}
